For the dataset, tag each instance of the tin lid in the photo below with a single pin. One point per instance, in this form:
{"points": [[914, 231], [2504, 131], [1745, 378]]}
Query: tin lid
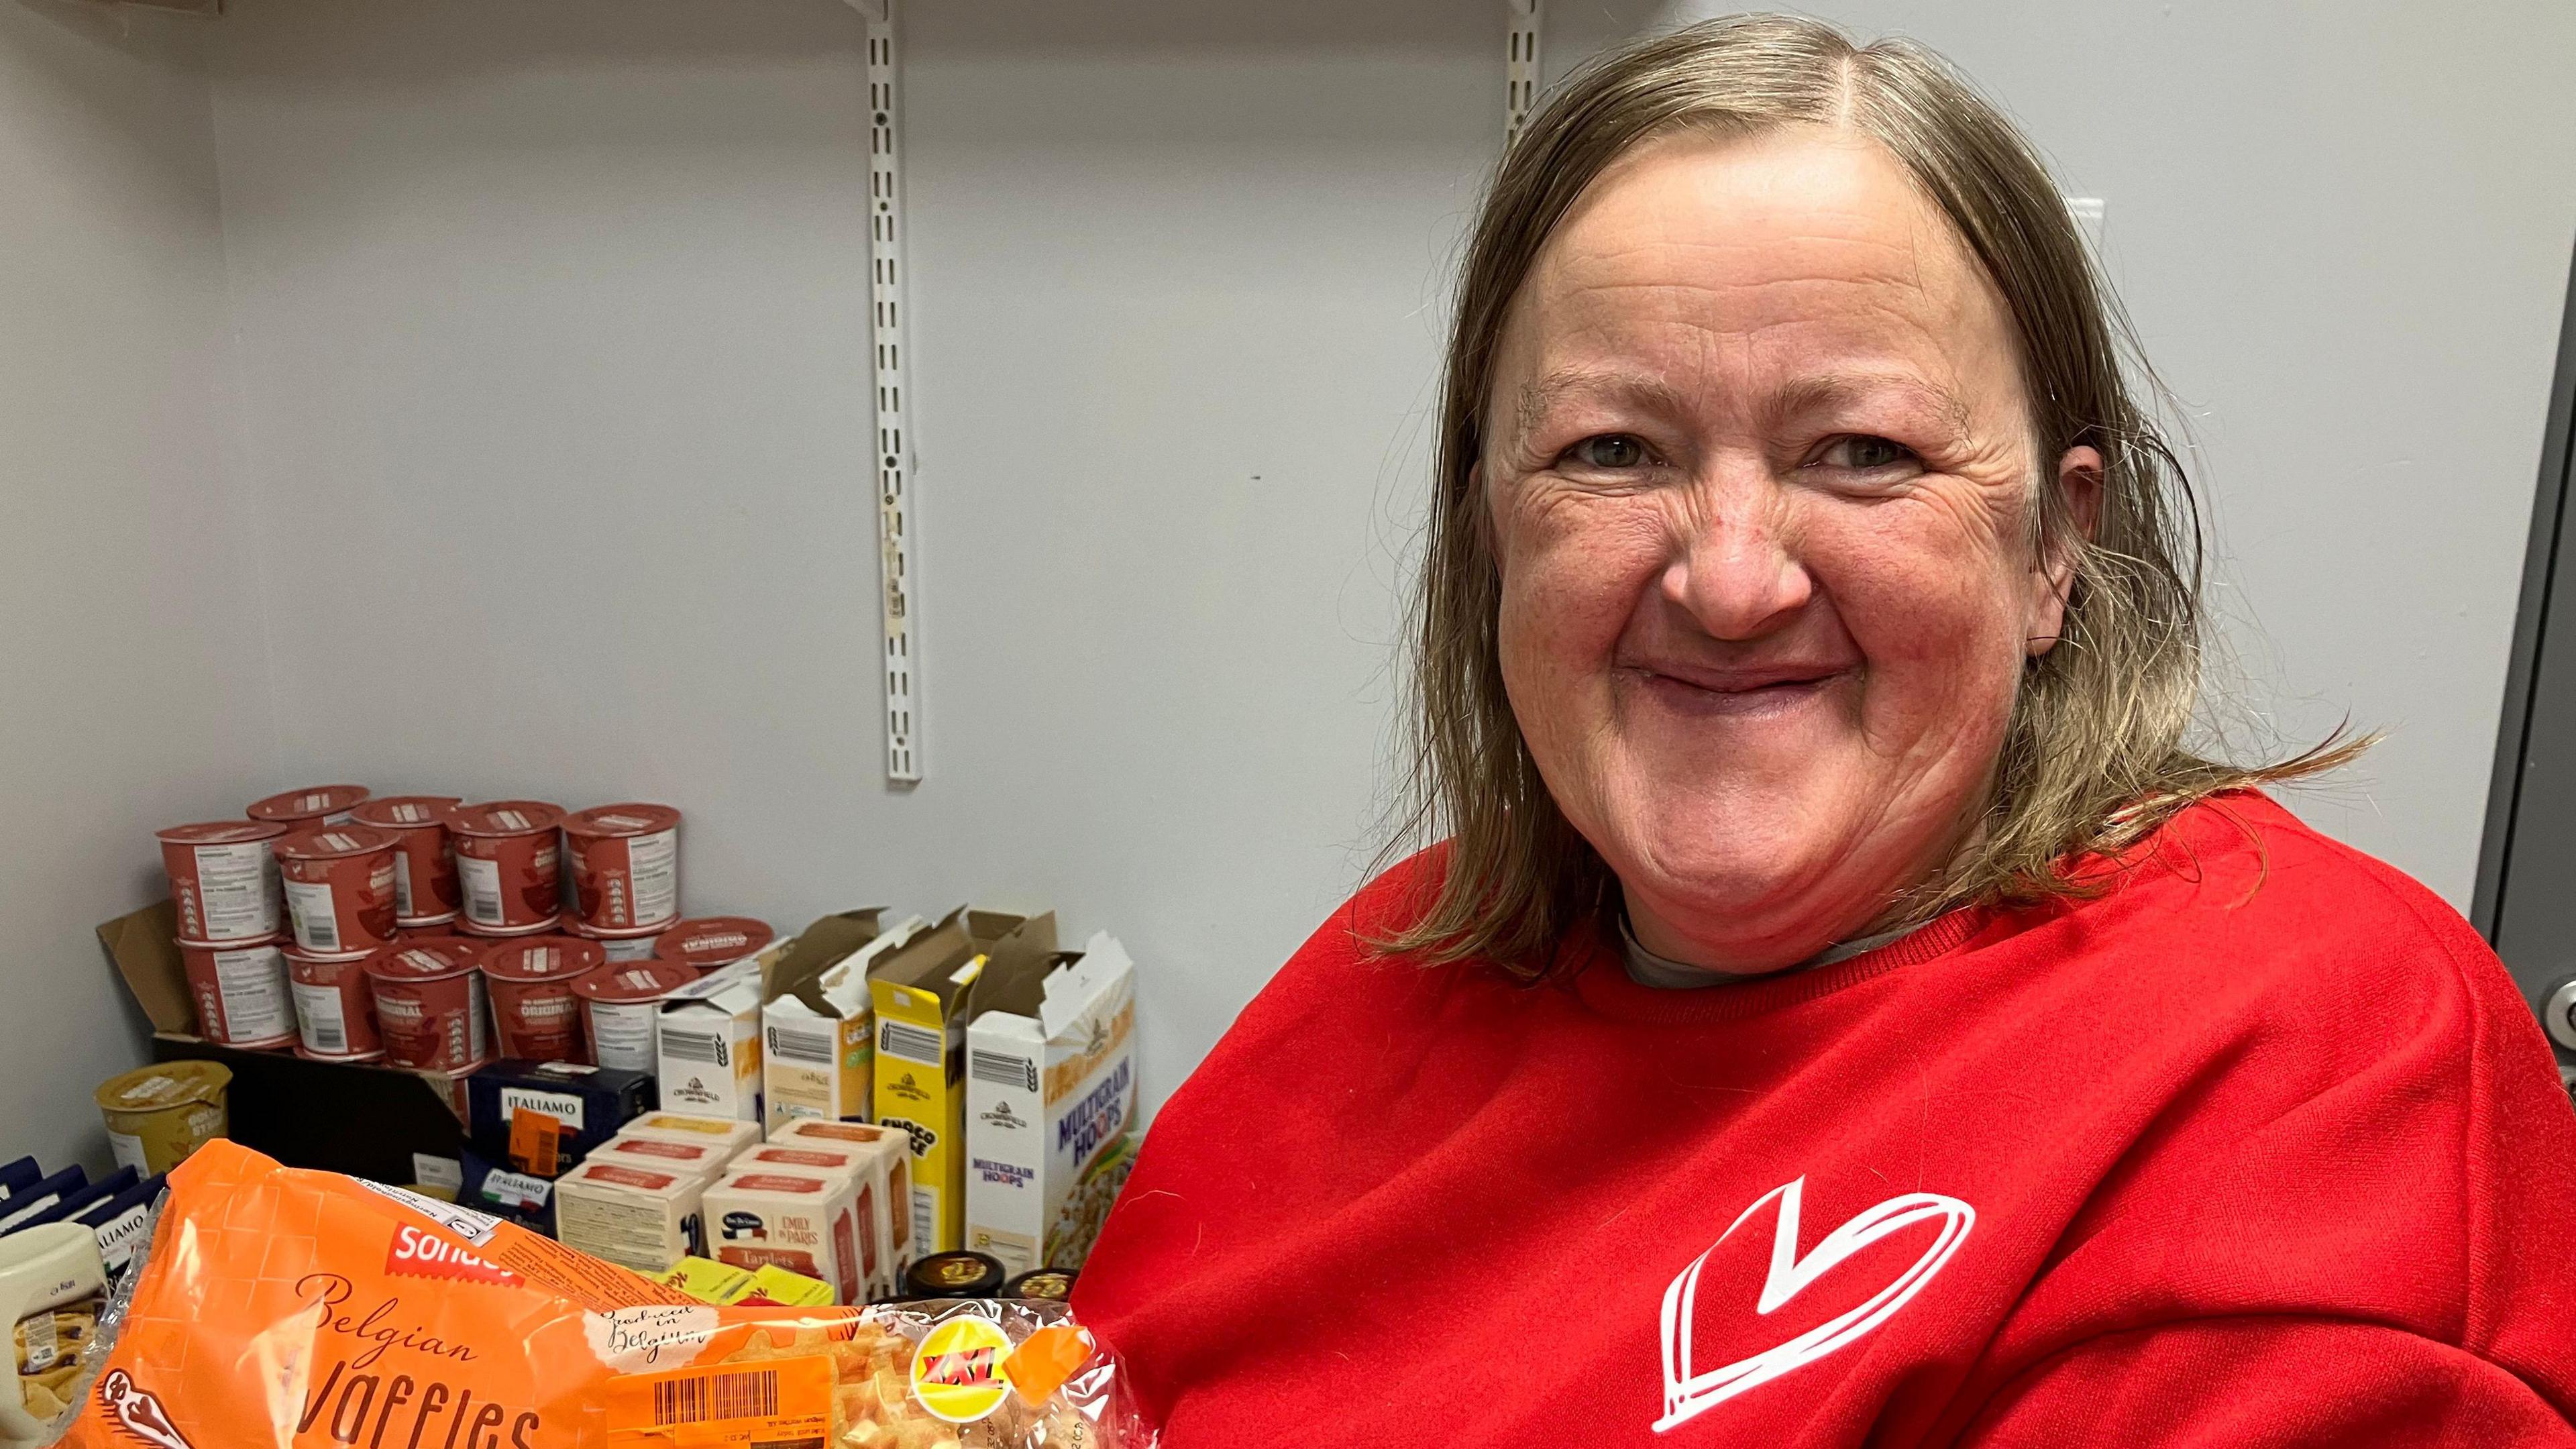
{"points": [[954, 1275], [707, 942], [573, 922], [223, 832], [420, 961], [1052, 1285], [334, 842], [543, 958], [504, 817], [310, 803], [631, 983], [164, 1084], [621, 820], [405, 812]]}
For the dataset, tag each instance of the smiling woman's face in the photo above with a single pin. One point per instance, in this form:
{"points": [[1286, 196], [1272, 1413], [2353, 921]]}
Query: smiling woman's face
{"points": [[1760, 470]]}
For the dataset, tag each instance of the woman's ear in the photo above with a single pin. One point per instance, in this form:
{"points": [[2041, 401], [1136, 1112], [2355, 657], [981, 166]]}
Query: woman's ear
{"points": [[2079, 492]]}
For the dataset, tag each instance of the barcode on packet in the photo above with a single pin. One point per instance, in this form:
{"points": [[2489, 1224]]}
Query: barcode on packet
{"points": [[924, 1210], [328, 1037], [790, 1045], [910, 1043], [694, 1046], [1003, 1070], [751, 1395], [323, 931]]}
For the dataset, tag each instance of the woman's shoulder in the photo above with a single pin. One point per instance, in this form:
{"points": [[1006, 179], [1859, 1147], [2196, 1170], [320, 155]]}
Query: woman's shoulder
{"points": [[2261, 907]]}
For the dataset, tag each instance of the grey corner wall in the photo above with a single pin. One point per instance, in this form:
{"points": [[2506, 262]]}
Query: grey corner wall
{"points": [[136, 690]]}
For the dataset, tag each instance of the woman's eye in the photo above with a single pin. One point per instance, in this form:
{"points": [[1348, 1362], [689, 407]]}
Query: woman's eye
{"points": [[1610, 450], [1866, 454]]}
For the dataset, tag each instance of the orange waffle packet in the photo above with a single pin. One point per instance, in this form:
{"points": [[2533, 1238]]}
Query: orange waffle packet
{"points": [[294, 1308]]}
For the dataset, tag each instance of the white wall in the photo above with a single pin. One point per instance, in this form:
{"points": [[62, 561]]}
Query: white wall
{"points": [[551, 317], [137, 688], [553, 320]]}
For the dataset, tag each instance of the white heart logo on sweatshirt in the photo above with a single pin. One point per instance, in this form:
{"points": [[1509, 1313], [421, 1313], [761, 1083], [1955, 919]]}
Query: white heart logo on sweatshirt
{"points": [[1689, 1393]]}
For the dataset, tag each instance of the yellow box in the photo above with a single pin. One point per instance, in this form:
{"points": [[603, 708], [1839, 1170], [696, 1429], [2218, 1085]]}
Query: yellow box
{"points": [[924, 994], [706, 1280], [792, 1289]]}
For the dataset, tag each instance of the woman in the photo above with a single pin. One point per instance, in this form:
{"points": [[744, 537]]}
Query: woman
{"points": [[1843, 1011]]}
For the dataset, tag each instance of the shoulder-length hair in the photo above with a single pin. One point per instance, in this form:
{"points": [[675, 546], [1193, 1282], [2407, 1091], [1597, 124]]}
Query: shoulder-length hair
{"points": [[2093, 759]]}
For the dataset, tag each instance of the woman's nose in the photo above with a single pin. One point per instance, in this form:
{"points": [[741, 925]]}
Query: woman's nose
{"points": [[1735, 574]]}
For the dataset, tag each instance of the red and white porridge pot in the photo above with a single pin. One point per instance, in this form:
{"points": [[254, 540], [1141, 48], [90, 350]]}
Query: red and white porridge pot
{"points": [[429, 1006], [620, 945], [509, 862], [620, 1005], [241, 993], [534, 1011], [223, 879], [313, 805], [625, 865], [425, 889], [335, 1008], [339, 888], [711, 943]]}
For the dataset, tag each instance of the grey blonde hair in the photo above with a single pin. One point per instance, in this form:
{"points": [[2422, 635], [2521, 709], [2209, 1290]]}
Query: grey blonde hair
{"points": [[2093, 759]]}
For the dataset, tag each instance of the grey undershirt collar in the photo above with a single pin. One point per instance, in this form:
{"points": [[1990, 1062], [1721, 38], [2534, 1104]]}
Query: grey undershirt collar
{"points": [[1666, 974]]}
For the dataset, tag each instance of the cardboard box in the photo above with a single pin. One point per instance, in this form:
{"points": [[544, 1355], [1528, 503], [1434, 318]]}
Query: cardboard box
{"points": [[892, 1150], [728, 1135], [639, 1217], [864, 1166], [1050, 1090], [707, 1046], [799, 1221], [925, 992], [818, 1053], [382, 1115]]}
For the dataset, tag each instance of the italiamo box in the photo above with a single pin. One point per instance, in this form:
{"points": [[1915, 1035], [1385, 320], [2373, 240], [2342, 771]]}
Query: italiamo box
{"points": [[925, 992], [1050, 1091]]}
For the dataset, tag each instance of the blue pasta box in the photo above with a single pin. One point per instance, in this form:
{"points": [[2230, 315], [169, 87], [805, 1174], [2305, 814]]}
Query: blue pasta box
{"points": [[582, 1107]]}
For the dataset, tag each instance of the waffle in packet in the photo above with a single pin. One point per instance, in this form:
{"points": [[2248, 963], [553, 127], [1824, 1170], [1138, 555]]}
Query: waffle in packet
{"points": [[306, 1309]]}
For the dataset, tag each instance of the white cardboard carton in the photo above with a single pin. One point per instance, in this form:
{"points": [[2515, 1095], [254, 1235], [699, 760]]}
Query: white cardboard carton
{"points": [[1050, 1089], [891, 1148], [707, 1051], [860, 1165], [647, 1152], [640, 1217], [802, 1221], [818, 1051]]}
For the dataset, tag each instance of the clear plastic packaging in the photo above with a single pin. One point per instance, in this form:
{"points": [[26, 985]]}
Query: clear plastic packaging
{"points": [[292, 1308]]}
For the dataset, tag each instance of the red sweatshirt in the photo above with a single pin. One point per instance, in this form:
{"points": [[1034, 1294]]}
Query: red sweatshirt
{"points": [[2260, 1148]]}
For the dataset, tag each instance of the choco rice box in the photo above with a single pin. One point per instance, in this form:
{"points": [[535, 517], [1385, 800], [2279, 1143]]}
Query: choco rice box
{"points": [[1050, 1094], [818, 1049], [925, 991]]}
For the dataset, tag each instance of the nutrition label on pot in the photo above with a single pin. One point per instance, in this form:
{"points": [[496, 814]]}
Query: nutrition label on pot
{"points": [[253, 984], [237, 888], [326, 1028], [482, 881], [653, 864], [316, 927]]}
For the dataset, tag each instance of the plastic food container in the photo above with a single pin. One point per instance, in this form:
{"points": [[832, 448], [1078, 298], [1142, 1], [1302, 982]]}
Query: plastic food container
{"points": [[241, 993], [339, 888], [625, 866], [620, 945], [159, 1114], [509, 863], [311, 806], [711, 943], [534, 1012], [620, 1003], [223, 879], [429, 1007], [425, 889], [335, 1009]]}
